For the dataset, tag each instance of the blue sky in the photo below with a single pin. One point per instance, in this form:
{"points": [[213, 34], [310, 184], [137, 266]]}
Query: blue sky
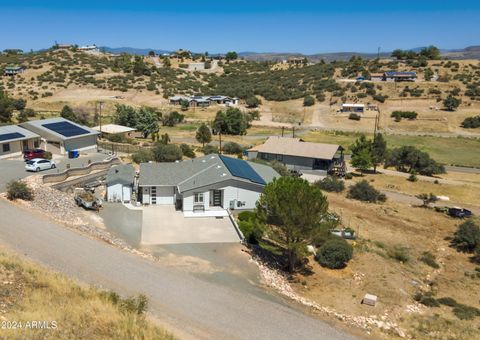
{"points": [[244, 25]]}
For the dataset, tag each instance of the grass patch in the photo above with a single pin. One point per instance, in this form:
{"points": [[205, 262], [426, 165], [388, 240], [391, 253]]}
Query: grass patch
{"points": [[464, 312], [399, 253], [429, 259], [455, 151], [80, 312]]}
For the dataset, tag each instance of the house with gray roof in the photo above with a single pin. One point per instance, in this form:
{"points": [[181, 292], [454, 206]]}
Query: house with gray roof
{"points": [[120, 182], [15, 139], [59, 135], [204, 186]]}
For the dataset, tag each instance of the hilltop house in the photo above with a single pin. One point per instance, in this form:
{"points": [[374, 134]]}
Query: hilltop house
{"points": [[14, 140], [296, 154], [203, 101], [89, 48], [13, 70], [394, 76], [204, 186], [59, 135]]}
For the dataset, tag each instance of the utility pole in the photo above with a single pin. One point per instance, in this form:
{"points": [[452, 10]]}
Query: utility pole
{"points": [[220, 142], [293, 131], [100, 104], [283, 129], [378, 53]]}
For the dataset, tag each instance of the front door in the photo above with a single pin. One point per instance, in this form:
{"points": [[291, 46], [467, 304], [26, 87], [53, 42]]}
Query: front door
{"points": [[24, 145], [216, 200]]}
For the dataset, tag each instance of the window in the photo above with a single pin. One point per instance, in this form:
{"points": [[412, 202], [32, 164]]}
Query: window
{"points": [[198, 197], [280, 158], [263, 155], [36, 144], [6, 147]]}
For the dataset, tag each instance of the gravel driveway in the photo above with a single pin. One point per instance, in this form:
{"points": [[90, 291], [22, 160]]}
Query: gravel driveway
{"points": [[190, 306]]}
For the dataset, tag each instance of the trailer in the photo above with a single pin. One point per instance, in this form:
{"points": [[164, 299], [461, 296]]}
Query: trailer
{"points": [[87, 200]]}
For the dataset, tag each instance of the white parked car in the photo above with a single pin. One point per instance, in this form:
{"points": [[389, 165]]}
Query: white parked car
{"points": [[38, 164]]}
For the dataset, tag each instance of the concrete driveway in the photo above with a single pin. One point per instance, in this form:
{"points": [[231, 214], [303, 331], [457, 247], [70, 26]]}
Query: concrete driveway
{"points": [[14, 168], [162, 224]]}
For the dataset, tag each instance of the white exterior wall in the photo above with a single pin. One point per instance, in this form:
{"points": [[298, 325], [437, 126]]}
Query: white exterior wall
{"points": [[189, 197], [146, 195], [127, 191], [118, 193], [246, 196]]}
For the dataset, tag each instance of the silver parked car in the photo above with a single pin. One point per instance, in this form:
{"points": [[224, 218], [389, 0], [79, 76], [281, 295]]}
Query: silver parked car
{"points": [[38, 164]]}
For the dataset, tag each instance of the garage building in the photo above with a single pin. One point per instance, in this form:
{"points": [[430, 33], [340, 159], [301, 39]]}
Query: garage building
{"points": [[59, 135], [14, 140]]}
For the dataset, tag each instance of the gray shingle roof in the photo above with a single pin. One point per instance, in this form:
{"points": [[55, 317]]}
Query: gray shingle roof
{"points": [[123, 174], [195, 173]]}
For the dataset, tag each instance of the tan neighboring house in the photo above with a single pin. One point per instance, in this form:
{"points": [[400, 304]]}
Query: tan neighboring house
{"points": [[14, 140], [296, 154]]}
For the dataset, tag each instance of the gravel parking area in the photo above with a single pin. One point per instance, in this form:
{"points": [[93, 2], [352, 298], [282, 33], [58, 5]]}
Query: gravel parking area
{"points": [[14, 168]]}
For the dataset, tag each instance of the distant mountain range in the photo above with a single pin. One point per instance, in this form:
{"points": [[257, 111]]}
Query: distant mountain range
{"points": [[471, 52]]}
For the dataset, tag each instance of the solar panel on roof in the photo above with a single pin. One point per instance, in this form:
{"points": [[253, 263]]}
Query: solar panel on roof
{"points": [[242, 169], [12, 135], [66, 129]]}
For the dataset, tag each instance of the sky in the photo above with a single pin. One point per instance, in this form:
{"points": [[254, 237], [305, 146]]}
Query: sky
{"points": [[260, 26]]}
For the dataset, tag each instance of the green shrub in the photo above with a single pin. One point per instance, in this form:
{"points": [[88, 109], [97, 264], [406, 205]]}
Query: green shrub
{"points": [[116, 138], [331, 184], [464, 312], [209, 149], [247, 216], [447, 301], [471, 122], [399, 253], [398, 115], [334, 253], [166, 152], [252, 230], [187, 150], [354, 116], [19, 190], [232, 148], [412, 178], [137, 304], [308, 101], [429, 259], [363, 191], [142, 156], [426, 300], [467, 237]]}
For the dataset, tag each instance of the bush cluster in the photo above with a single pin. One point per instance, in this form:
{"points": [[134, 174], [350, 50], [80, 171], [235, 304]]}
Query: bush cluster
{"points": [[251, 228], [363, 191], [471, 122], [354, 116], [398, 115], [334, 253], [331, 184], [19, 190]]}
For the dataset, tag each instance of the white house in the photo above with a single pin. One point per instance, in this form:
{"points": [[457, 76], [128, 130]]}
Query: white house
{"points": [[120, 180], [353, 107], [15, 139], [204, 186], [59, 135]]}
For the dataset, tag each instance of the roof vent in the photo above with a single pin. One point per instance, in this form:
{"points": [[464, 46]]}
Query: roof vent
{"points": [[212, 157], [224, 174], [219, 166], [177, 161], [116, 171], [203, 161]]}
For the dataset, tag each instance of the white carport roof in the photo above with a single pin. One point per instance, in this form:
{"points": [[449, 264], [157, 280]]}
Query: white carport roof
{"points": [[113, 128]]}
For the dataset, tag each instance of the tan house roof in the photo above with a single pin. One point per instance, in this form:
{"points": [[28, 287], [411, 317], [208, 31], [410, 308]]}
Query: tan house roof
{"points": [[297, 147]]}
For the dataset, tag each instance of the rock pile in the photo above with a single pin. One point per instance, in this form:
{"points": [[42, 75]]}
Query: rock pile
{"points": [[277, 281]]}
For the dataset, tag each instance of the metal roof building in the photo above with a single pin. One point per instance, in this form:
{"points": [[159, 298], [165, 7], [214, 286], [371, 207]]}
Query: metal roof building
{"points": [[60, 135]]}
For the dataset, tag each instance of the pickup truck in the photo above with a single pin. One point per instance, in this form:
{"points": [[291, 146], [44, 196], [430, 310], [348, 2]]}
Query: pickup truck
{"points": [[87, 200]]}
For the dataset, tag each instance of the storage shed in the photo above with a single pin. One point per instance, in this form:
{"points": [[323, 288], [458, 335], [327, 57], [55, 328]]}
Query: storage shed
{"points": [[120, 182]]}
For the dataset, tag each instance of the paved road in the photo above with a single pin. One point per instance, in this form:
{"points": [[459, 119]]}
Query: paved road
{"points": [[189, 306]]}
